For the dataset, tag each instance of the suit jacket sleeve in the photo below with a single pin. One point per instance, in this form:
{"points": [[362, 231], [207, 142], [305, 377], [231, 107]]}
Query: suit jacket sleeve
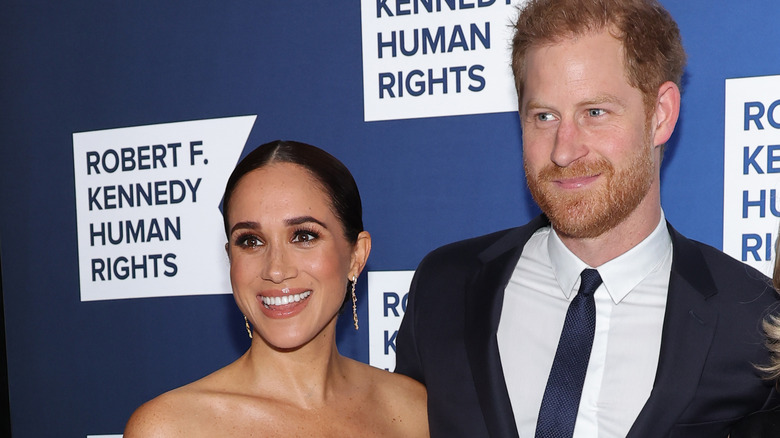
{"points": [[407, 360]]}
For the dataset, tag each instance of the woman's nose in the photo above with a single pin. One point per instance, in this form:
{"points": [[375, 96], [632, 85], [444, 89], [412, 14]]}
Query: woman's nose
{"points": [[278, 265]]}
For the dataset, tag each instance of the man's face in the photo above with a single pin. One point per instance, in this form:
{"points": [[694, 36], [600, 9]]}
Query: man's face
{"points": [[587, 145]]}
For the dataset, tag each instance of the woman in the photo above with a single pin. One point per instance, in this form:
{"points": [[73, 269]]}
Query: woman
{"points": [[767, 424], [296, 244]]}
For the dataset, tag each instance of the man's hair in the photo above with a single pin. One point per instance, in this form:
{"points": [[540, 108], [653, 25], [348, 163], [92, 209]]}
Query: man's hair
{"points": [[651, 39]]}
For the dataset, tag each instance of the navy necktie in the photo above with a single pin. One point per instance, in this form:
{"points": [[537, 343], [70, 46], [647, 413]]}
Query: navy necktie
{"points": [[564, 386]]}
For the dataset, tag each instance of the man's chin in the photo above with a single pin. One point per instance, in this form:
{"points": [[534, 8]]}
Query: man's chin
{"points": [[579, 218], [580, 229]]}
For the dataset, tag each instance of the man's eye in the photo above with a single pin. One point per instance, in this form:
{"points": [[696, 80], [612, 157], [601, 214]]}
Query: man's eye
{"points": [[544, 117], [595, 112]]}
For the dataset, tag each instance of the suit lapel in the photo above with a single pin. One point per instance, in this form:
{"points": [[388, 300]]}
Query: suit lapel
{"points": [[688, 329], [484, 299]]}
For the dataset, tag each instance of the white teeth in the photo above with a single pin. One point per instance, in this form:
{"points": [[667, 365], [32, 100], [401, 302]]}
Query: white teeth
{"points": [[287, 299]]}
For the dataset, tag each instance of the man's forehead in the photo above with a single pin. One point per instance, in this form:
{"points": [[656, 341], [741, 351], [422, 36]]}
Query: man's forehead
{"points": [[573, 37]]}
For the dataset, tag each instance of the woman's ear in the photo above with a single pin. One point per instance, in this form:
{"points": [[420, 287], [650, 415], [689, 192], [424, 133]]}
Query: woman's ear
{"points": [[360, 254]]}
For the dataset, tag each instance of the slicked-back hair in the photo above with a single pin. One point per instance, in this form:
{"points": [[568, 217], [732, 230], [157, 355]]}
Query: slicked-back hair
{"points": [[333, 177]]}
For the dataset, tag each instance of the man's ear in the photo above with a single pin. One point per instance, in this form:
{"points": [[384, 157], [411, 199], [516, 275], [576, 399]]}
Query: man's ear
{"points": [[666, 112]]}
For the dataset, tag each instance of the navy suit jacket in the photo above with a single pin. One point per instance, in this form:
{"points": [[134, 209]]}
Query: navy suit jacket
{"points": [[711, 338]]}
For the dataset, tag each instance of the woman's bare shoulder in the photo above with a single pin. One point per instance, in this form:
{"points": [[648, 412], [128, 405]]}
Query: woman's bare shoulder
{"points": [[403, 399], [162, 416], [178, 412], [399, 385]]}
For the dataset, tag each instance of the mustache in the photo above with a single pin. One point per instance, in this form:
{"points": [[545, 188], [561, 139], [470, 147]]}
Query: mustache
{"points": [[552, 172]]}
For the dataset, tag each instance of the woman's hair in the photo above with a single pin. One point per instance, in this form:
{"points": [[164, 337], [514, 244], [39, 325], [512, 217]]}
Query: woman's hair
{"points": [[772, 324], [651, 39], [330, 173]]}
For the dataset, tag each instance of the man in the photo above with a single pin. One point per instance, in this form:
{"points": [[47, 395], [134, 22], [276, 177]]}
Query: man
{"points": [[663, 336]]}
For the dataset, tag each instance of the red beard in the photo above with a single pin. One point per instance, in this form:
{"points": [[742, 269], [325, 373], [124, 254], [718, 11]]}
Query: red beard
{"points": [[592, 211]]}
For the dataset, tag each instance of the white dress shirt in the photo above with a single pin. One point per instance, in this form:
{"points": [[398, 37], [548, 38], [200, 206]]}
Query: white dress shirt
{"points": [[630, 307]]}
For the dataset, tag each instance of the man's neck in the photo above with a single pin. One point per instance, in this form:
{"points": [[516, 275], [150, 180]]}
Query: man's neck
{"points": [[617, 241]]}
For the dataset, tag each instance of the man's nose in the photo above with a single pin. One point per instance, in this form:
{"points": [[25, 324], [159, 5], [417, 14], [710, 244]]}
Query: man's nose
{"points": [[569, 144]]}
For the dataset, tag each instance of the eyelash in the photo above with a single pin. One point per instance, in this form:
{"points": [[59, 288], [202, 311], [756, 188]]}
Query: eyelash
{"points": [[242, 240], [305, 231]]}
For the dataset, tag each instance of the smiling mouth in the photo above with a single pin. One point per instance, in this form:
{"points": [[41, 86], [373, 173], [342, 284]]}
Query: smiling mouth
{"points": [[575, 182], [268, 302]]}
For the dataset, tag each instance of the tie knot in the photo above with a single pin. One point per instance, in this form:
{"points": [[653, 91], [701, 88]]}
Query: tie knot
{"points": [[590, 280]]}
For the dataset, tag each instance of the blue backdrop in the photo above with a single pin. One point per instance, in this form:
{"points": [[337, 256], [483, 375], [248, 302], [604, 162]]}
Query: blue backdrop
{"points": [[80, 368]]}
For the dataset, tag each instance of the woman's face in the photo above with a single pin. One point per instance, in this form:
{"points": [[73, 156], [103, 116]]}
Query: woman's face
{"points": [[289, 259]]}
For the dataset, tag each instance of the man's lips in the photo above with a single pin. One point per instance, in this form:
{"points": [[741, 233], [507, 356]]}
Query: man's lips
{"points": [[575, 182]]}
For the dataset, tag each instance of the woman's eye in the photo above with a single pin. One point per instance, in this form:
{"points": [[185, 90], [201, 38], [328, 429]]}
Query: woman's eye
{"points": [[595, 112], [248, 241], [304, 236]]}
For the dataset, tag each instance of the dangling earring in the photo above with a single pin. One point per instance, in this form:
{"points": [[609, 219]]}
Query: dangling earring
{"points": [[354, 302], [248, 329]]}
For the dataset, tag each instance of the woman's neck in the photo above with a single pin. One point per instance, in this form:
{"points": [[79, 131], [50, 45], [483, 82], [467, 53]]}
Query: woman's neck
{"points": [[306, 376]]}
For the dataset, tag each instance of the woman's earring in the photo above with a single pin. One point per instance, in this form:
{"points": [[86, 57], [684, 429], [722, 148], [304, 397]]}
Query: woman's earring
{"points": [[354, 302], [248, 329]]}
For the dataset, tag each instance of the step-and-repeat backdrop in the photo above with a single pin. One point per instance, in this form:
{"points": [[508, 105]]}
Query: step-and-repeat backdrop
{"points": [[123, 120]]}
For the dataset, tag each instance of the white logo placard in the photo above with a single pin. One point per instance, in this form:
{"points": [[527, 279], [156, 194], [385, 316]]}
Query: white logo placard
{"points": [[751, 174], [147, 207], [437, 58], [388, 292]]}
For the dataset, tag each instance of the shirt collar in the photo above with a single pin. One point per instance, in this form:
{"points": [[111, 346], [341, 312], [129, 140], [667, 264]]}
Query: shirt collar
{"points": [[621, 274]]}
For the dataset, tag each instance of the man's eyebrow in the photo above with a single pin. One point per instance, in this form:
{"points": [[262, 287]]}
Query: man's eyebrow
{"points": [[534, 104], [530, 106], [598, 100]]}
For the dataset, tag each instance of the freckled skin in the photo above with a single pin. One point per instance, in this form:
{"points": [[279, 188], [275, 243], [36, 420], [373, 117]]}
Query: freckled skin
{"points": [[276, 254], [292, 382], [591, 149]]}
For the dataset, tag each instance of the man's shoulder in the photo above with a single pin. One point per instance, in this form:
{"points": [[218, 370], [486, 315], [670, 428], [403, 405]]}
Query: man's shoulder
{"points": [[470, 247], [715, 257], [727, 273], [468, 251]]}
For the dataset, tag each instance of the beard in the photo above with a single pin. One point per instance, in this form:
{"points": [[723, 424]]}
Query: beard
{"points": [[591, 212]]}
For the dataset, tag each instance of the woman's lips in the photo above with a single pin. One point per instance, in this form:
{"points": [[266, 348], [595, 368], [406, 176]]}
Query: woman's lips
{"points": [[284, 299], [283, 303]]}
